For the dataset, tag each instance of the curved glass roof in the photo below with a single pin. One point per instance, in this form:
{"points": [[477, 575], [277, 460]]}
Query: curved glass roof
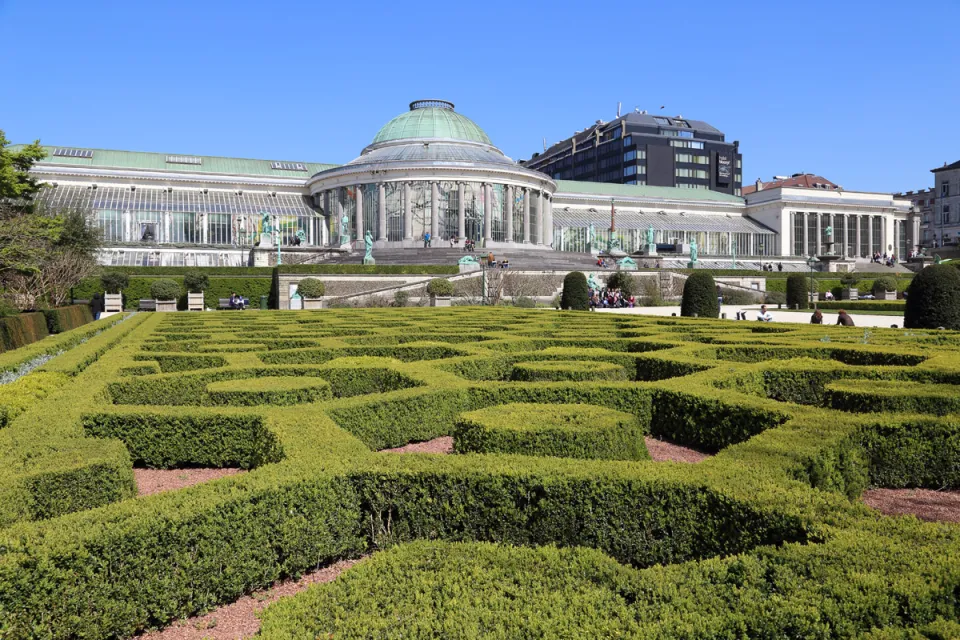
{"points": [[431, 119]]}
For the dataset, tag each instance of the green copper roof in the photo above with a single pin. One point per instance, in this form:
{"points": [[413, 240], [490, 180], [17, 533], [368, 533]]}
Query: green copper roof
{"points": [[642, 191], [106, 158], [431, 122]]}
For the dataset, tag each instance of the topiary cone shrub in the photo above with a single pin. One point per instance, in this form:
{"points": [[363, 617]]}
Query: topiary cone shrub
{"points": [[797, 290], [164, 289], [700, 296], [311, 288], [575, 294], [440, 287], [933, 299]]}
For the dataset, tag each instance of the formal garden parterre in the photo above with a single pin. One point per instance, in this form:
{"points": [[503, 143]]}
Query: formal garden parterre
{"points": [[549, 520]]}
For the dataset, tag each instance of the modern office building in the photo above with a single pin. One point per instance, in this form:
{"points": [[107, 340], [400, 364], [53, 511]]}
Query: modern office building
{"points": [[644, 149], [946, 223], [431, 170]]}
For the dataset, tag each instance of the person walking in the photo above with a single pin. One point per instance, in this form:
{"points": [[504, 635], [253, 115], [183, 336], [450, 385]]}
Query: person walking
{"points": [[426, 240], [96, 306], [843, 318]]}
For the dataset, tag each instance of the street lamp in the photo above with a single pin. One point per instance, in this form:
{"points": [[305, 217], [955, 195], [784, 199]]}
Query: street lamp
{"points": [[811, 262]]}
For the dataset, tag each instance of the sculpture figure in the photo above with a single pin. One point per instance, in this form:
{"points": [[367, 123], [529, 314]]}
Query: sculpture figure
{"points": [[829, 232], [694, 254], [468, 260], [345, 230], [368, 246], [593, 283], [650, 235], [627, 263]]}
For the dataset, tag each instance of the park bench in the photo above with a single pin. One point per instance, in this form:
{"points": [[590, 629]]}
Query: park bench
{"points": [[148, 305], [224, 303]]}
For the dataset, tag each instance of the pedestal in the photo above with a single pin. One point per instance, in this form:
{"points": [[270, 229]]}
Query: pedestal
{"points": [[649, 251], [369, 260]]}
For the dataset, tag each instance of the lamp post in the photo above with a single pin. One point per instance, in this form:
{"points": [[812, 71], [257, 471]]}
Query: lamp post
{"points": [[811, 262]]}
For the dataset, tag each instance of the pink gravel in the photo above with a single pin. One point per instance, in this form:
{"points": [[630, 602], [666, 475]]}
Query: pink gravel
{"points": [[926, 504], [239, 620], [663, 451], [443, 444], [150, 481]]}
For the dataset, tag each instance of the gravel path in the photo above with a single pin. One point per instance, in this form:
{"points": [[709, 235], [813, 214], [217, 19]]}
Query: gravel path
{"points": [[663, 451], [150, 481], [934, 506], [239, 620], [443, 444]]}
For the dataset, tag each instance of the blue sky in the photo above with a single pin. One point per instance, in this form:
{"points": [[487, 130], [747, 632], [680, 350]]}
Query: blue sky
{"points": [[864, 93]]}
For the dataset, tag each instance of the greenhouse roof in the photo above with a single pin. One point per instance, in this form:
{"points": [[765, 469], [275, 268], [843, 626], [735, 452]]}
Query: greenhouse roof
{"points": [[642, 191], [112, 159]]}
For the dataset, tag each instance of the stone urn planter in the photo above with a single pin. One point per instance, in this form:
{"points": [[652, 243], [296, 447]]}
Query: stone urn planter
{"points": [[849, 294], [440, 301], [112, 302], [166, 305], [886, 295], [312, 303], [195, 301]]}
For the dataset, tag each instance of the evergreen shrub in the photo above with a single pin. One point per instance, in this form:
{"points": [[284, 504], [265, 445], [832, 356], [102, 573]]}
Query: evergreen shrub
{"points": [[575, 295], [622, 281], [700, 296], [114, 281], [164, 289], [798, 292], [933, 299], [196, 281], [883, 284], [440, 287], [311, 288]]}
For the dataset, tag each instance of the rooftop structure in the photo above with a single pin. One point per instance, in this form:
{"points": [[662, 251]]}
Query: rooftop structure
{"points": [[800, 180]]}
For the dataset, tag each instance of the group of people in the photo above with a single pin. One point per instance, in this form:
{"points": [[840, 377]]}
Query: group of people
{"points": [[762, 315], [610, 299], [769, 266], [843, 318], [889, 260]]}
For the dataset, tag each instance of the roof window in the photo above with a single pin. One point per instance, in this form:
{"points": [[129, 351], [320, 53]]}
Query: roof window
{"points": [[184, 160], [288, 166], [73, 153]]}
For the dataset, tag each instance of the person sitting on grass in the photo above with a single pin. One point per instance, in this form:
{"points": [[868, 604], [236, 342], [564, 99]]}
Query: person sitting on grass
{"points": [[763, 315], [817, 317], [844, 318]]}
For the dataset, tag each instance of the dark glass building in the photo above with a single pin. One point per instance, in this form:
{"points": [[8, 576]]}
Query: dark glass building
{"points": [[644, 149]]}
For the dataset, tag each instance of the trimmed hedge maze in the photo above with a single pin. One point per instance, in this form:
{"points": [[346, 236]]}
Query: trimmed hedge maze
{"points": [[548, 521]]}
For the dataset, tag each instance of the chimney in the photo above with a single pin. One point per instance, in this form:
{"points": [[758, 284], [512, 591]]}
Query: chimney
{"points": [[759, 184]]}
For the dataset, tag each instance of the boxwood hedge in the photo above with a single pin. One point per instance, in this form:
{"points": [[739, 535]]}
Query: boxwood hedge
{"points": [[767, 538]]}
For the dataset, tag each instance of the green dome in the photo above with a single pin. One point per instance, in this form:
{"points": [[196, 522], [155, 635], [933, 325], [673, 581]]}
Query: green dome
{"points": [[431, 119]]}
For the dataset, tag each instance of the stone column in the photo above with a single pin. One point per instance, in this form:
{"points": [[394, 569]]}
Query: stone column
{"points": [[328, 212], [870, 235], [508, 214], [338, 208], [461, 211], [856, 248], [487, 212], [540, 217], [806, 232], [407, 213], [381, 212], [548, 221], [526, 216], [434, 211], [819, 240], [358, 218]]}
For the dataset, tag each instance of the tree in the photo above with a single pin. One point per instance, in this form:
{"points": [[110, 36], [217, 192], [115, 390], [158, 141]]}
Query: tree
{"points": [[164, 289], [797, 291], [700, 296], [15, 179], [440, 287], [883, 284], [623, 282], [196, 281], [933, 299], [114, 281], [311, 288], [575, 294]]}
